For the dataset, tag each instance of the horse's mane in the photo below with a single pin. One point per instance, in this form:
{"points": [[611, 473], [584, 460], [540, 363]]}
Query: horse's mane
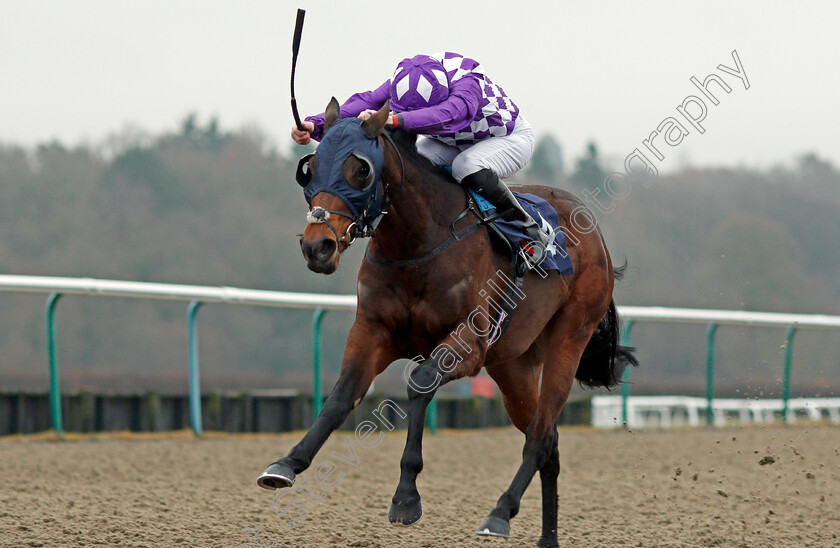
{"points": [[407, 144]]}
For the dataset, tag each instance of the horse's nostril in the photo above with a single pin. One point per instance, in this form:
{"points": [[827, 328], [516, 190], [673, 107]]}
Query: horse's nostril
{"points": [[320, 250], [326, 249]]}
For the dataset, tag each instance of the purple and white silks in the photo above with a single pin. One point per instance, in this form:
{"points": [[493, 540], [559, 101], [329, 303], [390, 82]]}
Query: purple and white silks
{"points": [[495, 114], [475, 109]]}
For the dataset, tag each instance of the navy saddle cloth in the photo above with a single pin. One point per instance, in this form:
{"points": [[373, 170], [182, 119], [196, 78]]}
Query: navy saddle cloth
{"points": [[556, 255]]}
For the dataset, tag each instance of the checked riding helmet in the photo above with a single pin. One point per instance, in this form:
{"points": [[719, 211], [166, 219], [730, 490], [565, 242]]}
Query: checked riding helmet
{"points": [[418, 82]]}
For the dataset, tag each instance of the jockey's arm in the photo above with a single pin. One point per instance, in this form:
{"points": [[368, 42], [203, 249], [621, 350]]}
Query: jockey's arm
{"points": [[353, 106]]}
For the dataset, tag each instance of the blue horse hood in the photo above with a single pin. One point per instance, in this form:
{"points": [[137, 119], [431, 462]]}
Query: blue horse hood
{"points": [[345, 137]]}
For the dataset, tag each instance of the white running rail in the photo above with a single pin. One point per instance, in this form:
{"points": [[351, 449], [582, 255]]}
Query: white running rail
{"points": [[668, 411], [603, 411], [234, 295], [174, 292]]}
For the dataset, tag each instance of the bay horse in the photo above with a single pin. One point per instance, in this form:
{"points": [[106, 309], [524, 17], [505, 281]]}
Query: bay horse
{"points": [[414, 293]]}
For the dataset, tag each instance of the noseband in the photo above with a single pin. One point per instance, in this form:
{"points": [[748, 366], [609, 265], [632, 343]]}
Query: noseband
{"points": [[363, 228], [319, 215]]}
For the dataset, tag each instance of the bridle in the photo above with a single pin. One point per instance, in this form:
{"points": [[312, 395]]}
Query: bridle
{"points": [[359, 226]]}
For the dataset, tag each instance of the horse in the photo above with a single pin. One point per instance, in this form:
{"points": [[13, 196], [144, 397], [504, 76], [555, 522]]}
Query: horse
{"points": [[417, 290]]}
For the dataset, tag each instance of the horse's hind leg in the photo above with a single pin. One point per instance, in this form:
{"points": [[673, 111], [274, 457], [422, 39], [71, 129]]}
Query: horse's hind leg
{"points": [[519, 380], [568, 333]]}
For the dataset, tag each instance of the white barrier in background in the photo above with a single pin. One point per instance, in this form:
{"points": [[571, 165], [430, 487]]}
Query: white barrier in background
{"points": [[667, 411]]}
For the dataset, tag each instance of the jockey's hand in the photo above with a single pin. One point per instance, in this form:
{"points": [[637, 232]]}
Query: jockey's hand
{"points": [[303, 137], [365, 114]]}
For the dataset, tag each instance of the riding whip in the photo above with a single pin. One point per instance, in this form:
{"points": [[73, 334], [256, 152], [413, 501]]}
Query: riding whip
{"points": [[295, 48]]}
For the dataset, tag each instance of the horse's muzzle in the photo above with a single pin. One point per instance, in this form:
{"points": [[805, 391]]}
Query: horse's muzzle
{"points": [[320, 254]]}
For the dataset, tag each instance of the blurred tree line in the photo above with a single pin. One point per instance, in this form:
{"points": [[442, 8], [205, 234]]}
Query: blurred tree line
{"points": [[202, 205]]}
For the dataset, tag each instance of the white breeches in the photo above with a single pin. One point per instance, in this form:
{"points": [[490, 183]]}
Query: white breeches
{"points": [[502, 155]]}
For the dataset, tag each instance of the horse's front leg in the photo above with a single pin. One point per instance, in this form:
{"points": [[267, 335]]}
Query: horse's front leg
{"points": [[369, 350], [448, 362]]}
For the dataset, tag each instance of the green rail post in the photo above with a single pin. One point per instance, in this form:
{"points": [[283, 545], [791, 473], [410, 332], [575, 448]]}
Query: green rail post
{"points": [[431, 415], [55, 387], [316, 361], [625, 379], [710, 370], [791, 331], [194, 381]]}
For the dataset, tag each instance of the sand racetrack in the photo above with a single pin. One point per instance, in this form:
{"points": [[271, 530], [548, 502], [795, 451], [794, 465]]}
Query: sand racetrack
{"points": [[657, 488]]}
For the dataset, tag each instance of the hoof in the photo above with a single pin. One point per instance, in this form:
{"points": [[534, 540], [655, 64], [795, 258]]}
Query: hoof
{"points": [[548, 543], [494, 527], [276, 476], [405, 515]]}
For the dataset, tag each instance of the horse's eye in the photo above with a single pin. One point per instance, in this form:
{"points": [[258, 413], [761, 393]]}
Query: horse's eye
{"points": [[364, 171]]}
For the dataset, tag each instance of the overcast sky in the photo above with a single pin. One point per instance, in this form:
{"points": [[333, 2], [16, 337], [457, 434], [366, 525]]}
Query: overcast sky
{"points": [[608, 71]]}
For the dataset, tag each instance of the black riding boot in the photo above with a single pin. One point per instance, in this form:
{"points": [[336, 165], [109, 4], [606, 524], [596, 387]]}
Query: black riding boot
{"points": [[488, 185]]}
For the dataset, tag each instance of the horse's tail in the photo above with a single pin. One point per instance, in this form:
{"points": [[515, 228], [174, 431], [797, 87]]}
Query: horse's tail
{"points": [[604, 360]]}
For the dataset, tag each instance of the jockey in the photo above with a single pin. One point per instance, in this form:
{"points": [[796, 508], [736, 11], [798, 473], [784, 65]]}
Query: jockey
{"points": [[468, 122]]}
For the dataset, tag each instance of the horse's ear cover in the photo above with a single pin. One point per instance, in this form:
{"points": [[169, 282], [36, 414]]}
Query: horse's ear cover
{"points": [[332, 113], [375, 123]]}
